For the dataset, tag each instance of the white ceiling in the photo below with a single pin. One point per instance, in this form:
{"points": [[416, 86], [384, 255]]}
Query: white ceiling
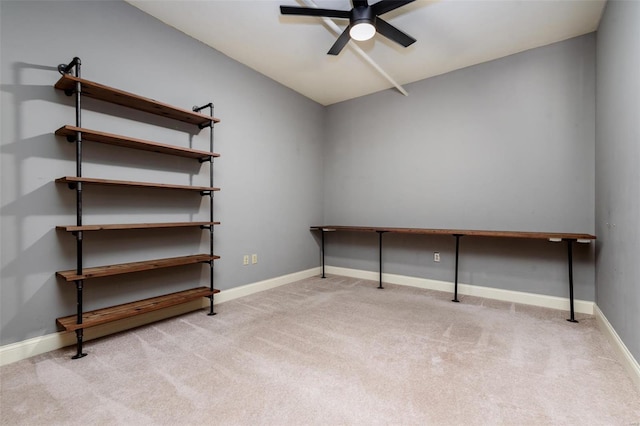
{"points": [[451, 34]]}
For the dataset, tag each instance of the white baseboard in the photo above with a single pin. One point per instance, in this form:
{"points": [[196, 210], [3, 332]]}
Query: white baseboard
{"points": [[629, 363], [37, 345], [49, 342], [553, 302], [245, 290]]}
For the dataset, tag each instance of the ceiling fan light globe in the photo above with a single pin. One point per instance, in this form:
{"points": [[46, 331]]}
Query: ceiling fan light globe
{"points": [[362, 31]]}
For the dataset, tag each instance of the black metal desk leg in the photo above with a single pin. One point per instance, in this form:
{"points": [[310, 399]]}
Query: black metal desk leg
{"points": [[455, 288], [322, 233], [380, 256], [570, 258]]}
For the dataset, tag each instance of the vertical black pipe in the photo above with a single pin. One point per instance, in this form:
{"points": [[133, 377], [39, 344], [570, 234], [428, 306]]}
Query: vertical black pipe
{"points": [[455, 288], [79, 234], [570, 259], [322, 239], [78, 168], [211, 268], [79, 332], [380, 256]]}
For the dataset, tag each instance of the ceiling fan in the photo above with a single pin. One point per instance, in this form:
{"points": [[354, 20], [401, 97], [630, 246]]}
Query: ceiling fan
{"points": [[364, 21]]}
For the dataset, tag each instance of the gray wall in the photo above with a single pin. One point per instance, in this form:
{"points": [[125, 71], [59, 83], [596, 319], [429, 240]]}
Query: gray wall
{"points": [[505, 145], [617, 175], [270, 139]]}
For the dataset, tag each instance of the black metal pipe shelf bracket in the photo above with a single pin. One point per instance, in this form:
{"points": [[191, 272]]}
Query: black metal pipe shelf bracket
{"points": [[211, 194], [210, 123], [200, 108], [63, 69], [66, 68]]}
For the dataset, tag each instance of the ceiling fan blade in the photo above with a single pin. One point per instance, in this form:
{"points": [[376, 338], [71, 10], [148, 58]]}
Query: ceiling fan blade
{"points": [[310, 11], [359, 3], [394, 34], [340, 43], [387, 6]]}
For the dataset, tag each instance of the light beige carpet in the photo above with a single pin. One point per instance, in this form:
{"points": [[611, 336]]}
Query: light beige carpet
{"points": [[334, 351]]}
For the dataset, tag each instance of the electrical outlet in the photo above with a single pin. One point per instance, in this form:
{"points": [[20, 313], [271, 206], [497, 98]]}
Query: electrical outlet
{"points": [[254, 259], [436, 256], [245, 259]]}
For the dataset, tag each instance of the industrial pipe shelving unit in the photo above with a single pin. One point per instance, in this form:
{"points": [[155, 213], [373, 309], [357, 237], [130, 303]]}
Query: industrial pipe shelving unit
{"points": [[73, 84]]}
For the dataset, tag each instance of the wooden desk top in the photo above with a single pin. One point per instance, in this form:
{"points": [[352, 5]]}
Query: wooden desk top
{"points": [[462, 232]]}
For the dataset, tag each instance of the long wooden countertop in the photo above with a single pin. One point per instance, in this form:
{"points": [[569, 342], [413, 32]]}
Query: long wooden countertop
{"points": [[463, 232]]}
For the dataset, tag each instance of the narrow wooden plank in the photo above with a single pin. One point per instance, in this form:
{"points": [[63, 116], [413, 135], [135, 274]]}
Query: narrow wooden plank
{"points": [[124, 226], [465, 232], [126, 310], [120, 97], [127, 268], [109, 182], [128, 142]]}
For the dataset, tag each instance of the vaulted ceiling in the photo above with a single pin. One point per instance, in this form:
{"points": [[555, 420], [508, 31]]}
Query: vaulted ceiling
{"points": [[451, 34]]}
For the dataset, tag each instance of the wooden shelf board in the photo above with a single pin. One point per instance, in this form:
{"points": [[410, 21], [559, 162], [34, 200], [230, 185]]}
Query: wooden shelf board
{"points": [[124, 226], [109, 182], [109, 94], [463, 232], [118, 312], [128, 142], [127, 268]]}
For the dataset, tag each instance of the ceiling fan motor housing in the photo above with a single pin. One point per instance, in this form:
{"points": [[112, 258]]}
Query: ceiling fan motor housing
{"points": [[362, 15]]}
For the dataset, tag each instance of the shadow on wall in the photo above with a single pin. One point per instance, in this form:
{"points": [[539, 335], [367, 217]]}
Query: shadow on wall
{"points": [[15, 221]]}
